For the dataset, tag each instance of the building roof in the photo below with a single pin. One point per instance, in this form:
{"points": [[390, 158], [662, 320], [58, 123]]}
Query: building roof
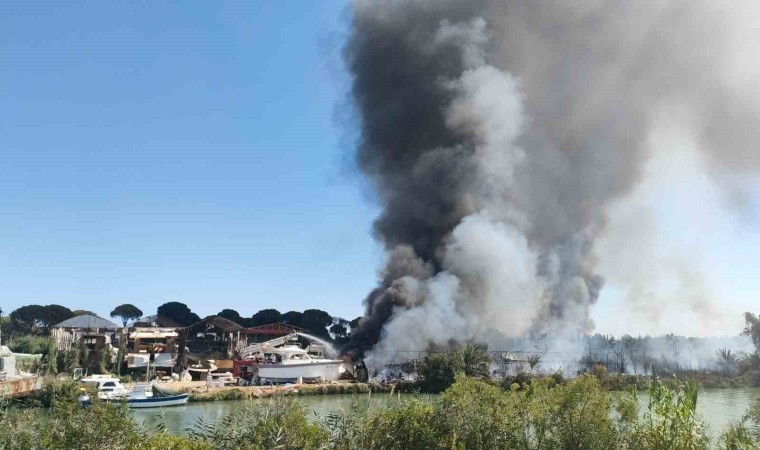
{"points": [[88, 321], [275, 329], [225, 325]]}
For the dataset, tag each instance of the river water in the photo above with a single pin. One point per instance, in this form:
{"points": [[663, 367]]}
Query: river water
{"points": [[717, 407]]}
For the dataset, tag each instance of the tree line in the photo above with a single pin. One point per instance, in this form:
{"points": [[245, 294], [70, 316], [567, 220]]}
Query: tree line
{"points": [[39, 319]]}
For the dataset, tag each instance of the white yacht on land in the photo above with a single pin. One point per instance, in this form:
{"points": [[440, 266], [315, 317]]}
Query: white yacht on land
{"points": [[282, 360]]}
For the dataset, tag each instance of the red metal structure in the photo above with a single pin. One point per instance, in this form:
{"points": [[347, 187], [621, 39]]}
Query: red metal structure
{"points": [[273, 329], [243, 369]]}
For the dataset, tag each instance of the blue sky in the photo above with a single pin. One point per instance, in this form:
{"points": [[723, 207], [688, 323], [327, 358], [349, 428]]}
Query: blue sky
{"points": [[154, 152], [158, 151]]}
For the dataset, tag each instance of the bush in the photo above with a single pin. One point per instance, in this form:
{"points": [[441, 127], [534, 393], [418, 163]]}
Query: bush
{"points": [[550, 412], [280, 423], [221, 395], [521, 380], [15, 432], [30, 344], [575, 414], [404, 386], [438, 371], [621, 382], [670, 420], [408, 425], [99, 426], [738, 436], [57, 390], [558, 377], [599, 372], [476, 415], [68, 426], [471, 414]]}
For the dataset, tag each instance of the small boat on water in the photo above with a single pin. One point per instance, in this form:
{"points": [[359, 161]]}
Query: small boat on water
{"points": [[143, 395], [282, 360], [158, 399]]}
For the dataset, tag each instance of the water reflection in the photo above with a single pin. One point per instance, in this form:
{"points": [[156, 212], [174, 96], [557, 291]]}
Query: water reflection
{"points": [[717, 407], [179, 418]]}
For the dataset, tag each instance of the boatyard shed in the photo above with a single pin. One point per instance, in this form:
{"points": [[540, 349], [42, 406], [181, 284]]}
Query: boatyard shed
{"points": [[92, 332], [154, 346], [93, 336], [215, 336]]}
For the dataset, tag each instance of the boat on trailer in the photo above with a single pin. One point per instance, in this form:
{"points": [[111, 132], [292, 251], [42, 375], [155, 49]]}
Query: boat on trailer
{"points": [[282, 360]]}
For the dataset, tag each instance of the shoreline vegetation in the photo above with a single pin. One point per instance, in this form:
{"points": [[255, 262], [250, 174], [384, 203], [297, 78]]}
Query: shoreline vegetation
{"points": [[198, 394], [610, 383], [54, 387], [546, 412], [435, 374]]}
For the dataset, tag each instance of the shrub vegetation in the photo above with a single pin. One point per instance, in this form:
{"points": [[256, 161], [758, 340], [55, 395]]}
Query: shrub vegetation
{"points": [[542, 413]]}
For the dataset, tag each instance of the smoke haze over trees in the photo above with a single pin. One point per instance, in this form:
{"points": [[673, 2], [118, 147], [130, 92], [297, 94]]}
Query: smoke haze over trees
{"points": [[495, 136]]}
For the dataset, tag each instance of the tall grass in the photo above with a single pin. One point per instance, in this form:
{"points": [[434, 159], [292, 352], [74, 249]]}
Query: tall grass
{"points": [[277, 424], [670, 420], [743, 434]]}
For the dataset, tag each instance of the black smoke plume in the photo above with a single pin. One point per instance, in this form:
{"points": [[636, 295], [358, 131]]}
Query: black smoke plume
{"points": [[496, 133]]}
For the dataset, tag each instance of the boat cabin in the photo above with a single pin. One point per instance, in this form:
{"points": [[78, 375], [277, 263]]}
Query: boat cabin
{"points": [[108, 387]]}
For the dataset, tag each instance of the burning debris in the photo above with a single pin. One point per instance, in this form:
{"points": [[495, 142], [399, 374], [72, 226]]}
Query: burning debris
{"points": [[496, 134]]}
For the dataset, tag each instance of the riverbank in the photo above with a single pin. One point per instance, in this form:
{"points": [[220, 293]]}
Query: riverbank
{"points": [[53, 388], [705, 380], [200, 393]]}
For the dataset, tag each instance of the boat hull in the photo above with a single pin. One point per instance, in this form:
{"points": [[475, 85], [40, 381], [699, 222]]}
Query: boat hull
{"points": [[19, 386], [322, 370], [159, 402]]}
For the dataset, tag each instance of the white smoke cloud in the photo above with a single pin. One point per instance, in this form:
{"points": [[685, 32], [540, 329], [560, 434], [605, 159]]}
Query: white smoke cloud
{"points": [[670, 245]]}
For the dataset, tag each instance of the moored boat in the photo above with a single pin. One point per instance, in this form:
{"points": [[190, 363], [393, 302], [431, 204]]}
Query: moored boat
{"points": [[158, 399], [143, 395], [108, 387]]}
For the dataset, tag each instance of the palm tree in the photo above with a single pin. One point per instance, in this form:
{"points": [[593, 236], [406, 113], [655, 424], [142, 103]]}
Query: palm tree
{"points": [[475, 361], [533, 361], [727, 361]]}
